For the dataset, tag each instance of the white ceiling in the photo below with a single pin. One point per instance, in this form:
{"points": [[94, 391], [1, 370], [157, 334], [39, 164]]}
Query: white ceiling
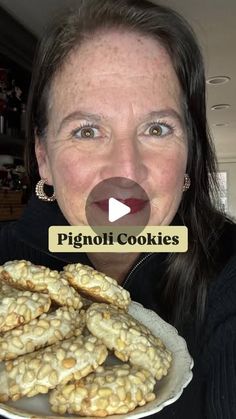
{"points": [[214, 23]]}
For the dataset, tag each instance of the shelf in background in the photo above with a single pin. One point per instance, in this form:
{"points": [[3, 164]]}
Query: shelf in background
{"points": [[11, 206], [11, 145]]}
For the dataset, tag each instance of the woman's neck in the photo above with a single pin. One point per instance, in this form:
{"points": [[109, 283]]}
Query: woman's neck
{"points": [[115, 265]]}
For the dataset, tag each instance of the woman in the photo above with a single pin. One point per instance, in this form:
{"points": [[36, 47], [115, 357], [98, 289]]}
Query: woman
{"points": [[118, 89]]}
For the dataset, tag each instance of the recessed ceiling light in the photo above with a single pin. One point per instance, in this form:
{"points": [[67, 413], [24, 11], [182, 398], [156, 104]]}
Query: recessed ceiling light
{"points": [[215, 81], [221, 124], [220, 106]]}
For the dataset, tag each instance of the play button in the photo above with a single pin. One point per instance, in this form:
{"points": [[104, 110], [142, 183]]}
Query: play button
{"points": [[117, 210], [118, 203]]}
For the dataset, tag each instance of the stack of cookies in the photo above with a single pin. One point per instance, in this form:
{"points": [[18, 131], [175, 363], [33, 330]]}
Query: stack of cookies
{"points": [[56, 332]]}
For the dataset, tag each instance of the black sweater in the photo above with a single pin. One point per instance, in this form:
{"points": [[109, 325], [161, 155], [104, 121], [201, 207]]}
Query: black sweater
{"points": [[212, 391]]}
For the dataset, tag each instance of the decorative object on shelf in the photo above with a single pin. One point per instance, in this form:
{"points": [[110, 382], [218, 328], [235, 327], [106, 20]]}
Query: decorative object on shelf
{"points": [[13, 95], [2, 124], [3, 99], [12, 174], [16, 57], [6, 163], [14, 104], [23, 119]]}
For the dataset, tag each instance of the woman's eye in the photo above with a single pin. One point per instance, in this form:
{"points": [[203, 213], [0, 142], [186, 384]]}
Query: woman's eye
{"points": [[159, 130], [86, 132]]}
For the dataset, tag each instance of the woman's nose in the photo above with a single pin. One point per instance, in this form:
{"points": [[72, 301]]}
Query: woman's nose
{"points": [[126, 160]]}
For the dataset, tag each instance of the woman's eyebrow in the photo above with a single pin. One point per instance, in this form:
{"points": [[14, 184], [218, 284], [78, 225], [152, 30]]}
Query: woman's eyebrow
{"points": [[165, 113], [153, 115], [79, 115]]}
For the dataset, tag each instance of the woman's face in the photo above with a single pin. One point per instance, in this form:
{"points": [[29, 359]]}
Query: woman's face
{"points": [[116, 111]]}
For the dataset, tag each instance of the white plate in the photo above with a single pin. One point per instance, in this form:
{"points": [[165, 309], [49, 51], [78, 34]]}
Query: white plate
{"points": [[168, 390]]}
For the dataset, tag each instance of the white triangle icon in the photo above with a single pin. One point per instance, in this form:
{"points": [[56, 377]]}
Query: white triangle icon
{"points": [[116, 210]]}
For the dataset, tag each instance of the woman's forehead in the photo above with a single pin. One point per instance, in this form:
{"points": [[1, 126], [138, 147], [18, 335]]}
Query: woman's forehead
{"points": [[117, 53], [116, 63]]}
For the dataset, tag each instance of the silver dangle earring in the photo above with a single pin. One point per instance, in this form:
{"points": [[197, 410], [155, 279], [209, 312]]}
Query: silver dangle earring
{"points": [[187, 182], [39, 190]]}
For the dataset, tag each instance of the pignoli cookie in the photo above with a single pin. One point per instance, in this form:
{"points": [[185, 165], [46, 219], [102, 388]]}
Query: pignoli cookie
{"points": [[25, 275], [130, 340], [19, 307], [40, 371], [109, 390], [96, 285], [46, 330]]}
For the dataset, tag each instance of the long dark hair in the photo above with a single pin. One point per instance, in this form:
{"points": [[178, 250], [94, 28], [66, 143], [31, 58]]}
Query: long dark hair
{"points": [[188, 274]]}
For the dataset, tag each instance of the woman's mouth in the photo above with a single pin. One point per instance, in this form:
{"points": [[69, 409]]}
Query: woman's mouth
{"points": [[135, 204]]}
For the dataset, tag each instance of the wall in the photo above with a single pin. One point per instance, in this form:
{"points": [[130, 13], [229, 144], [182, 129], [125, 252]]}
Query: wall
{"points": [[230, 168]]}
